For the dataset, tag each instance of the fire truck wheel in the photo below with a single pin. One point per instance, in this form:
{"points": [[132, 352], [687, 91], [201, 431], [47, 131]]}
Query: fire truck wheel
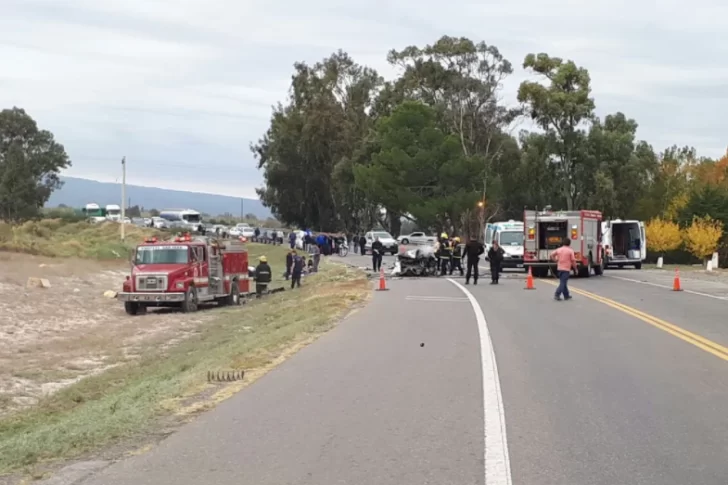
{"points": [[599, 269], [586, 271], [131, 307], [190, 303]]}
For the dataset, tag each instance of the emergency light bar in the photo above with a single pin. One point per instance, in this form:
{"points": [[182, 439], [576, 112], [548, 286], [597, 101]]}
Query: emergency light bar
{"points": [[150, 239], [183, 238]]}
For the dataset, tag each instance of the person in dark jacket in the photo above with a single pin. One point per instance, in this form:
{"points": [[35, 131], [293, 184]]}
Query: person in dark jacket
{"points": [[289, 262], [297, 271], [292, 239], [262, 276], [495, 256], [377, 252], [257, 234], [473, 250], [363, 245]]}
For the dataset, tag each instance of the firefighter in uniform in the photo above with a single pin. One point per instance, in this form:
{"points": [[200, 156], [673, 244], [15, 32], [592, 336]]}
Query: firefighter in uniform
{"points": [[262, 276], [443, 254], [457, 256]]}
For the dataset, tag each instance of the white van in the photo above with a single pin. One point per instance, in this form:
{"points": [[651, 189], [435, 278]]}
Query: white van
{"points": [[510, 235], [624, 243]]}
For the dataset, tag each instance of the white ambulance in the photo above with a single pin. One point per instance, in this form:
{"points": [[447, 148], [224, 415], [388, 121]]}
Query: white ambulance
{"points": [[624, 243], [509, 235]]}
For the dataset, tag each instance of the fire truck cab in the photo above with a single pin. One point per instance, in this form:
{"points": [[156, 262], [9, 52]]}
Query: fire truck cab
{"points": [[184, 272], [544, 231]]}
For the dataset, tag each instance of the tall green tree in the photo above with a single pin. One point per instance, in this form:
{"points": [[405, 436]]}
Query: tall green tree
{"points": [[668, 189], [419, 170], [462, 80], [30, 163], [617, 168], [323, 122], [561, 108]]}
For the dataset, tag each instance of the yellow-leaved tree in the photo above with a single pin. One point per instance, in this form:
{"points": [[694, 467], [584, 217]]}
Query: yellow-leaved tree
{"points": [[703, 236], [662, 235], [677, 204]]}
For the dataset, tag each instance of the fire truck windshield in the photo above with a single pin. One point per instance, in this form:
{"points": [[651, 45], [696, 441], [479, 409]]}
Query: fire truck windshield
{"points": [[162, 255]]}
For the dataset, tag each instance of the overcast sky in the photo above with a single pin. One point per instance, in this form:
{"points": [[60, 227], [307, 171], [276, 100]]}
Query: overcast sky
{"points": [[181, 87]]}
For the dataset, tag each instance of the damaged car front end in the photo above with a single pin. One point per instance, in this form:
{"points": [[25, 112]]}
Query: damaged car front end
{"points": [[416, 262]]}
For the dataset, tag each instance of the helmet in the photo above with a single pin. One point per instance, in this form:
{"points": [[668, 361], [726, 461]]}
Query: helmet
{"points": [[263, 259], [457, 239], [443, 235]]}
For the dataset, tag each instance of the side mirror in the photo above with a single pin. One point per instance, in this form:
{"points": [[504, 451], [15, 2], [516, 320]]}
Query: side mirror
{"points": [[132, 253]]}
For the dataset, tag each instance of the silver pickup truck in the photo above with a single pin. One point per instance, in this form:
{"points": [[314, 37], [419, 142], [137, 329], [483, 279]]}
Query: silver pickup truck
{"points": [[418, 238]]}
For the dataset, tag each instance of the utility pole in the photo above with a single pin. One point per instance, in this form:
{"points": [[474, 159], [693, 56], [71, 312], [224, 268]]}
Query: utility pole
{"points": [[242, 209], [123, 195]]}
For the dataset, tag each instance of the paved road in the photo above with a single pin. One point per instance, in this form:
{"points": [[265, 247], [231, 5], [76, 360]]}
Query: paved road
{"points": [[584, 392]]}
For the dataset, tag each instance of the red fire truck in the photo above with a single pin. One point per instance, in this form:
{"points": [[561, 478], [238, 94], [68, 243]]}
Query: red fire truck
{"points": [[544, 231], [184, 272]]}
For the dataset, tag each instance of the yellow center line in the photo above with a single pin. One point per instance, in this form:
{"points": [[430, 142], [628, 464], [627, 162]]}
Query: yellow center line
{"points": [[679, 332]]}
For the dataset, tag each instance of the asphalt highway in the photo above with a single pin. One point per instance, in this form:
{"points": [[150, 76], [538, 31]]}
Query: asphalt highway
{"points": [[439, 383]]}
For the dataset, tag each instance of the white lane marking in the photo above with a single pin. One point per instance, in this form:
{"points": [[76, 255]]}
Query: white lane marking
{"points": [[497, 460], [434, 298], [649, 283]]}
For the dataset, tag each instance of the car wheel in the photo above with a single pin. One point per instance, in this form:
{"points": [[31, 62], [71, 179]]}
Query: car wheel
{"points": [[405, 241]]}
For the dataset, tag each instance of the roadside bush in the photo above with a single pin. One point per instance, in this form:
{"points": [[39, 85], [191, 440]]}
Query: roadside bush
{"points": [[64, 214]]}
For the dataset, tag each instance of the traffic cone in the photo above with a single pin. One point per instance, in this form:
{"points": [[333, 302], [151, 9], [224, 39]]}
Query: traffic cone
{"points": [[529, 280], [382, 281], [676, 281]]}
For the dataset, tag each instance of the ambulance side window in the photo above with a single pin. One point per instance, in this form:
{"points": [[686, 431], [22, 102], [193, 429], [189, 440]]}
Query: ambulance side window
{"points": [[489, 235]]}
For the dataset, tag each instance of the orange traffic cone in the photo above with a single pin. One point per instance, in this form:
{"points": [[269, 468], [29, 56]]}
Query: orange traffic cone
{"points": [[676, 281], [382, 281], [529, 280]]}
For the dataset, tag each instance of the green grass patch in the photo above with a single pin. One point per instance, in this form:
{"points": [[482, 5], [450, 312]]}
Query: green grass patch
{"points": [[127, 400], [682, 267], [61, 238]]}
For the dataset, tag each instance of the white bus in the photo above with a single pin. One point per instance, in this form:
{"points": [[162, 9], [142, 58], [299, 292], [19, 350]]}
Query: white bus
{"points": [[113, 212], [188, 218]]}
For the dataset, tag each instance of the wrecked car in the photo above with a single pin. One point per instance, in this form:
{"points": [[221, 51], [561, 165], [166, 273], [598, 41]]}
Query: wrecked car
{"points": [[416, 262]]}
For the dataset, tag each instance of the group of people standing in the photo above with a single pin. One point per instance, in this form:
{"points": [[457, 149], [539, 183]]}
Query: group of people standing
{"points": [[450, 253]]}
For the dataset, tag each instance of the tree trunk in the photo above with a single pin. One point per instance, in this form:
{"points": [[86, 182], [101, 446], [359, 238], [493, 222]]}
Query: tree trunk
{"points": [[395, 223]]}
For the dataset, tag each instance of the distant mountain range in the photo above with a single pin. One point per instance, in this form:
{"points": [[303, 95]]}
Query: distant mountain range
{"points": [[77, 192]]}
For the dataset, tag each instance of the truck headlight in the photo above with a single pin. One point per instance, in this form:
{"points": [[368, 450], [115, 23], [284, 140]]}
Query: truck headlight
{"points": [[179, 285]]}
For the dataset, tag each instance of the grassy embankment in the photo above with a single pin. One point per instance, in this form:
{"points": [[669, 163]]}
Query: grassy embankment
{"points": [[58, 238], [126, 402]]}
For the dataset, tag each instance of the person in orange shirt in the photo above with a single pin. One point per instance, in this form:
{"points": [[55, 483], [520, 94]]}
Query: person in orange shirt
{"points": [[565, 261]]}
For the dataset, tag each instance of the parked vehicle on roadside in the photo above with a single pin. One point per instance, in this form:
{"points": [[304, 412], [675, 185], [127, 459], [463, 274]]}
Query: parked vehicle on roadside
{"points": [[389, 243], [624, 243], [418, 238], [546, 230], [184, 272]]}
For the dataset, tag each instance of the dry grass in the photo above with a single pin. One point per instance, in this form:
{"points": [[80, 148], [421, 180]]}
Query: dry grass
{"points": [[51, 338], [59, 238], [126, 400]]}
